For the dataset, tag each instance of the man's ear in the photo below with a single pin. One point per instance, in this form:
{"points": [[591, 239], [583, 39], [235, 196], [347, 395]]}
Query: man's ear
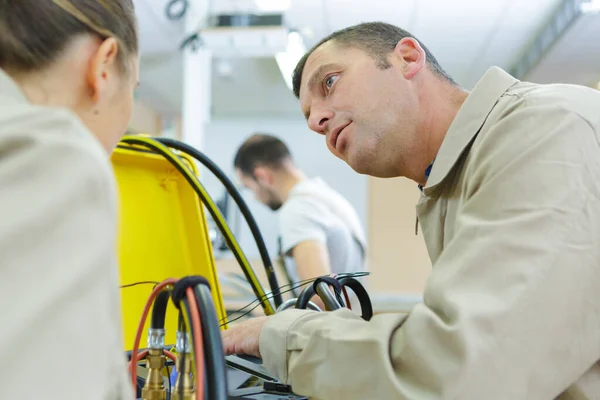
{"points": [[411, 55], [102, 66], [263, 175]]}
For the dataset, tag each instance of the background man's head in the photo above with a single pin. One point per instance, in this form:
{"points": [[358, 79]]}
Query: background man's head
{"points": [[367, 87], [258, 163]]}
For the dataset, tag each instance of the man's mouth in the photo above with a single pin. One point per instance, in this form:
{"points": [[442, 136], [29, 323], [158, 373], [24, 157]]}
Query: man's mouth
{"points": [[335, 135]]}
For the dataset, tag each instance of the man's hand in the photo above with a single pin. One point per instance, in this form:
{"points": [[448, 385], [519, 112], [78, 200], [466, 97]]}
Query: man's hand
{"points": [[243, 338]]}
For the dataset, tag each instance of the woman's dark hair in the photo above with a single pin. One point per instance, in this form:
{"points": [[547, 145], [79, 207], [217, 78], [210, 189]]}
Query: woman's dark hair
{"points": [[33, 33]]}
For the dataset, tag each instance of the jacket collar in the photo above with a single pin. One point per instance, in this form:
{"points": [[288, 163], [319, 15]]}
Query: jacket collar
{"points": [[467, 123], [9, 89]]}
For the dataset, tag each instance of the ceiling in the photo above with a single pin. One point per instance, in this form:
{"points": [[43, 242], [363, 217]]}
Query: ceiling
{"points": [[466, 36], [575, 57]]}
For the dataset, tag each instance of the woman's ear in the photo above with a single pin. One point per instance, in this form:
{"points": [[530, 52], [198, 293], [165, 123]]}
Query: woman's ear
{"points": [[102, 67]]}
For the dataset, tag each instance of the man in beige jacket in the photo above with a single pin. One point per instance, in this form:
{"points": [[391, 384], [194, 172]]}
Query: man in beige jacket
{"points": [[510, 211]]}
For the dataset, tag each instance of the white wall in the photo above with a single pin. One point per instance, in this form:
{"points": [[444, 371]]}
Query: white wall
{"points": [[223, 137]]}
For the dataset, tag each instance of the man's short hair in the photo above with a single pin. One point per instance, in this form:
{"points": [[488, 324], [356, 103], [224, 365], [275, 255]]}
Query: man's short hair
{"points": [[378, 39], [261, 150]]}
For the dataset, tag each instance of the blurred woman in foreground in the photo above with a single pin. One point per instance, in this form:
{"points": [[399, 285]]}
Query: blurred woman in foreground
{"points": [[68, 69]]}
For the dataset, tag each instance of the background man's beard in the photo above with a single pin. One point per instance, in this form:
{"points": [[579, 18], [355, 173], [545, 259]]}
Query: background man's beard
{"points": [[274, 205]]}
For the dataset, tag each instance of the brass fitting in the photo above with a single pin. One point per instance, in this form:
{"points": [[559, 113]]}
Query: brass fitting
{"points": [[184, 372], [155, 389]]}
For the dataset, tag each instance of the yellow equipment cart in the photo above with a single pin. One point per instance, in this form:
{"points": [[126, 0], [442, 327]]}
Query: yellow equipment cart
{"points": [[163, 234]]}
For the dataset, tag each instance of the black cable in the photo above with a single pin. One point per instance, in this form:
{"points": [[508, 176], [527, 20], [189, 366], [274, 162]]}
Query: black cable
{"points": [[295, 286], [257, 305], [171, 9], [239, 200], [214, 355], [138, 283], [305, 282], [159, 309], [169, 379], [240, 317], [229, 321], [269, 296]]}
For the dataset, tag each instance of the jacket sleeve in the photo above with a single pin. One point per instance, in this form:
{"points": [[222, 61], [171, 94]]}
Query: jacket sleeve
{"points": [[512, 307], [61, 323]]}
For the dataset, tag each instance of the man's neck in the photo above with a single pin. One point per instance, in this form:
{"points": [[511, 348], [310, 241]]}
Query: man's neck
{"points": [[287, 180], [443, 106]]}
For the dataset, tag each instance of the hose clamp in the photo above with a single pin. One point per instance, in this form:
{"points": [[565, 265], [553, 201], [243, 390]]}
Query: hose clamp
{"points": [[156, 339], [180, 346]]}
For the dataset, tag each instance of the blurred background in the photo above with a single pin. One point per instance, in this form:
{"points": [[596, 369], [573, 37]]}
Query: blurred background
{"points": [[215, 71]]}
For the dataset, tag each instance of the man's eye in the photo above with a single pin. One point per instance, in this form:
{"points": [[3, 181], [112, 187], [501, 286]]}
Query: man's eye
{"points": [[330, 81]]}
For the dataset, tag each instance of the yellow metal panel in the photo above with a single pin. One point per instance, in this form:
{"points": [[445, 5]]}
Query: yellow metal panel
{"points": [[163, 234]]}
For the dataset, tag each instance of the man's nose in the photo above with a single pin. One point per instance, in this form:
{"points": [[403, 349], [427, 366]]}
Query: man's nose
{"points": [[319, 119]]}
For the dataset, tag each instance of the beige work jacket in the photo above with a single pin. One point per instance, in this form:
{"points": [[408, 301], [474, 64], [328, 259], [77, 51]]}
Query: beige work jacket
{"points": [[511, 218], [60, 319]]}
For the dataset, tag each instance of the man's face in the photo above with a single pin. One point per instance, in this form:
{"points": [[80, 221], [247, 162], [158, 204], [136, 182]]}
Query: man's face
{"points": [[363, 110], [263, 192]]}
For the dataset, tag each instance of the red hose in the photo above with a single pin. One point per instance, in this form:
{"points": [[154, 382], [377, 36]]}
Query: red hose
{"points": [[197, 337], [346, 297], [138, 336], [198, 349]]}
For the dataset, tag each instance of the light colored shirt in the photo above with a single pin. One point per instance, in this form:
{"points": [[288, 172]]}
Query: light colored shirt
{"points": [[511, 218], [314, 211], [61, 322]]}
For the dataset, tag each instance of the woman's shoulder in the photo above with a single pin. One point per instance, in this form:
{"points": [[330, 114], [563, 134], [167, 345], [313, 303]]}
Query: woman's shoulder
{"points": [[17, 118], [52, 135], [49, 125]]}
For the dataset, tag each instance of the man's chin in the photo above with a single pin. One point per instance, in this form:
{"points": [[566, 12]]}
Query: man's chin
{"points": [[365, 168], [357, 166], [371, 170]]}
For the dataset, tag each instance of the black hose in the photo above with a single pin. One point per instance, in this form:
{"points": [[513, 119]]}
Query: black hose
{"points": [[363, 296], [332, 301], [159, 310], [237, 197], [214, 355], [307, 294]]}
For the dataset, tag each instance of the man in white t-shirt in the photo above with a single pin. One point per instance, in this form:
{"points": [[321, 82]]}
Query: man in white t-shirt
{"points": [[319, 229]]}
